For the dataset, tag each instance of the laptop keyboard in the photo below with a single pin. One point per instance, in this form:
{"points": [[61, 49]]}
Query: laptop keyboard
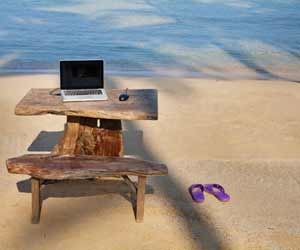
{"points": [[83, 92]]}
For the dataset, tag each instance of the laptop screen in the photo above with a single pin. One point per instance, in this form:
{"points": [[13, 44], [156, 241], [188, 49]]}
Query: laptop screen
{"points": [[81, 74]]}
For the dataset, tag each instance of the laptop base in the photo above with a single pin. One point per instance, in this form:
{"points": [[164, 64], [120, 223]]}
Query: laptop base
{"points": [[83, 98]]}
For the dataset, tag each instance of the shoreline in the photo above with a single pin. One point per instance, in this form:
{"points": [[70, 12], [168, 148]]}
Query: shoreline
{"points": [[189, 75]]}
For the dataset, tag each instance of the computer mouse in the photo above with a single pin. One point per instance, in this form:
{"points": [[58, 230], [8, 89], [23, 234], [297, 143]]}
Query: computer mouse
{"points": [[123, 97]]}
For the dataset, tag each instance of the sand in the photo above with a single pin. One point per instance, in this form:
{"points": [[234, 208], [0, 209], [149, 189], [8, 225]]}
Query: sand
{"points": [[243, 134]]}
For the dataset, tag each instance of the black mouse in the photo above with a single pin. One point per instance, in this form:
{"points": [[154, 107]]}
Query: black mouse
{"points": [[123, 97]]}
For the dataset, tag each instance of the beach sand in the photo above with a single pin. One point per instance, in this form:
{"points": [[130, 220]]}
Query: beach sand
{"points": [[243, 134]]}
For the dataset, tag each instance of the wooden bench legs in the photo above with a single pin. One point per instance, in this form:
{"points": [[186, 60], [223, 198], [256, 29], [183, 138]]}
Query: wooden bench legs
{"points": [[138, 190], [36, 200], [139, 195], [140, 199]]}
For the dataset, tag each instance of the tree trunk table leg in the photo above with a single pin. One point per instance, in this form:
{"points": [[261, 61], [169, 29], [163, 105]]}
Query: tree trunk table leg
{"points": [[140, 199], [91, 136], [36, 200]]}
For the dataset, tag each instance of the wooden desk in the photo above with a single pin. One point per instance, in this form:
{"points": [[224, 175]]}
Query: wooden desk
{"points": [[91, 144], [93, 128]]}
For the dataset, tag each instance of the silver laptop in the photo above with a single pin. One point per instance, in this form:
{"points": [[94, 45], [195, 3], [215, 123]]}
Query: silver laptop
{"points": [[82, 81]]}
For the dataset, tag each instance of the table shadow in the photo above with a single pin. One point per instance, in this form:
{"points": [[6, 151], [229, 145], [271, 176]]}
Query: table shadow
{"points": [[46, 140]]}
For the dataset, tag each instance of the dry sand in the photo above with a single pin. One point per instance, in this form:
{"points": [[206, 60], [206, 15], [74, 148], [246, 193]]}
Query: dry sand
{"points": [[243, 134]]}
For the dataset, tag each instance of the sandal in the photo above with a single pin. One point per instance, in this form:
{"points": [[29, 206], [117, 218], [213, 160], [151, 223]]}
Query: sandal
{"points": [[196, 191], [218, 191]]}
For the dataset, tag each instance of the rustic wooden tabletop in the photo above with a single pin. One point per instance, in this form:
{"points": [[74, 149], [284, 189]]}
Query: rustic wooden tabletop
{"points": [[141, 105]]}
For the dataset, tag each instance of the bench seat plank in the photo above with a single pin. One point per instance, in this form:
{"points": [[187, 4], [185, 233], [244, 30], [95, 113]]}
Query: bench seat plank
{"points": [[60, 167]]}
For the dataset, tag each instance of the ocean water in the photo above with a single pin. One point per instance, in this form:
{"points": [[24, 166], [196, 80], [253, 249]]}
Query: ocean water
{"points": [[197, 38]]}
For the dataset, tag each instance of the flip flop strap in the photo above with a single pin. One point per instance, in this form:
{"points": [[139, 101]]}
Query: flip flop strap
{"points": [[219, 187], [197, 186]]}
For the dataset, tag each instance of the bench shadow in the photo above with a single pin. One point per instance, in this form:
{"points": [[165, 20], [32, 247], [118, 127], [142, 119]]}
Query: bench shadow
{"points": [[83, 188], [80, 188]]}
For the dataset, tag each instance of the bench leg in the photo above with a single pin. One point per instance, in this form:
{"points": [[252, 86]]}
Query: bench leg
{"points": [[140, 200], [36, 200]]}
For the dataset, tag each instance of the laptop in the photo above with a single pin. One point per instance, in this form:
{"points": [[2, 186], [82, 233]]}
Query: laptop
{"points": [[82, 81]]}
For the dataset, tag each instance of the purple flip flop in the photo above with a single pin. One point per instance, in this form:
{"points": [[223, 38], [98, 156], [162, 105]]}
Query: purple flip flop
{"points": [[217, 190], [196, 191]]}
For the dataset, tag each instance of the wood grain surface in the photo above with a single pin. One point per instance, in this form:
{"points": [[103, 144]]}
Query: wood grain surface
{"points": [[60, 167], [83, 136], [141, 105]]}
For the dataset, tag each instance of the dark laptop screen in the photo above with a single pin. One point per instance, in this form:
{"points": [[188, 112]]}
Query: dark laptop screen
{"points": [[81, 74]]}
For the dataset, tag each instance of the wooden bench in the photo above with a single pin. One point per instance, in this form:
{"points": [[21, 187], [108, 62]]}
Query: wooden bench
{"points": [[43, 167]]}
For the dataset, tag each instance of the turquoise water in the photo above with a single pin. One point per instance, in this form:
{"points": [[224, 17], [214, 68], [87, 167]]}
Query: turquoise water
{"points": [[211, 38]]}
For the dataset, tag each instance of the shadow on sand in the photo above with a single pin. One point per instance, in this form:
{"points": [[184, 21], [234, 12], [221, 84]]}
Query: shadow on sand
{"points": [[202, 233], [82, 188]]}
